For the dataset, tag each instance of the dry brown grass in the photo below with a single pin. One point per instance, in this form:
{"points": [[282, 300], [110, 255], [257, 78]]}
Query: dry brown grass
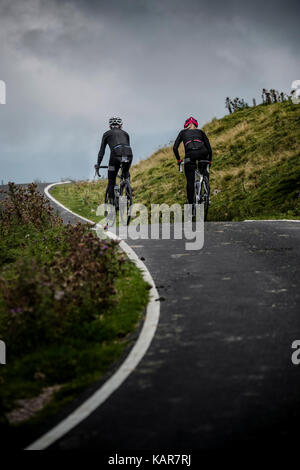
{"points": [[229, 136]]}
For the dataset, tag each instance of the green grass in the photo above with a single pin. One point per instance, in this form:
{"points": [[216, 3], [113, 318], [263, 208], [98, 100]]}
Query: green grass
{"points": [[256, 169], [81, 197]]}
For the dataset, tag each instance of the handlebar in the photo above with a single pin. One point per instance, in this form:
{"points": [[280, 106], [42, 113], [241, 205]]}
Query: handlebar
{"points": [[97, 169]]}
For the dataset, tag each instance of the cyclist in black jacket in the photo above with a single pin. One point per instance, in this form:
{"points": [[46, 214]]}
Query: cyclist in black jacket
{"points": [[197, 147], [119, 144]]}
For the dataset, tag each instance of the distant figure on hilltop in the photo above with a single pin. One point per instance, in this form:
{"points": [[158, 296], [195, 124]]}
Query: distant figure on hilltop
{"points": [[198, 153]]}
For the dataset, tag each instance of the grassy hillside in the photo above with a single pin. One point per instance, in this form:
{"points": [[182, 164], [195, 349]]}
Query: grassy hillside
{"points": [[256, 169]]}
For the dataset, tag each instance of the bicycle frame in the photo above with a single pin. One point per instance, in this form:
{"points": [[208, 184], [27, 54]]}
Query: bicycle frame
{"points": [[201, 181], [123, 181], [118, 196]]}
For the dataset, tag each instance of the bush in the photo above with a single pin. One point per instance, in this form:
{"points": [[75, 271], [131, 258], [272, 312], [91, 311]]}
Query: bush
{"points": [[68, 303], [54, 278], [25, 206]]}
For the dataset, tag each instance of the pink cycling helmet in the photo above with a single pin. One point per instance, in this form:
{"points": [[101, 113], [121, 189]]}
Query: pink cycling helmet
{"points": [[191, 120]]}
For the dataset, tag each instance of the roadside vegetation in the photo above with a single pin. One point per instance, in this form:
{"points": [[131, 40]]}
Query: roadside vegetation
{"points": [[68, 305], [255, 171]]}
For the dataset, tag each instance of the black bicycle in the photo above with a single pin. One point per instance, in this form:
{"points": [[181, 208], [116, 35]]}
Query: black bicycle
{"points": [[202, 189], [122, 200]]}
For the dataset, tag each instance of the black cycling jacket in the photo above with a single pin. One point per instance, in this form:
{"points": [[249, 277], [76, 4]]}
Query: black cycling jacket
{"points": [[188, 135], [113, 137]]}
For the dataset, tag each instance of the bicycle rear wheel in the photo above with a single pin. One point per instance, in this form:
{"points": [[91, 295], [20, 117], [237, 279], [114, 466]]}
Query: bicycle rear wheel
{"points": [[110, 210], [205, 197], [126, 203]]}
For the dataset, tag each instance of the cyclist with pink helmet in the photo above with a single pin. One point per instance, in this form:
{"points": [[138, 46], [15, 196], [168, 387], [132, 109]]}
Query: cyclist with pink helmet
{"points": [[197, 147]]}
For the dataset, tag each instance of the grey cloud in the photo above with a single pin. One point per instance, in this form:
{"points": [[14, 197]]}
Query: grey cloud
{"points": [[69, 65]]}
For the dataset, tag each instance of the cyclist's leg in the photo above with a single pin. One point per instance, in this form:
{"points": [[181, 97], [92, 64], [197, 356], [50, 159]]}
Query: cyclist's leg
{"points": [[126, 167], [113, 168], [189, 170], [202, 167]]}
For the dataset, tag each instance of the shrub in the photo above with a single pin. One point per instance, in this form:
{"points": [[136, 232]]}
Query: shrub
{"points": [[26, 206], [54, 277]]}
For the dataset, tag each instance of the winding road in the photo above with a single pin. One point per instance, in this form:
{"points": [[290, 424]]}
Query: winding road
{"points": [[218, 373]]}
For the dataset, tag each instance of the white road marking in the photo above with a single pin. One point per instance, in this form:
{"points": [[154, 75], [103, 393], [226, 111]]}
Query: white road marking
{"points": [[130, 363], [272, 220]]}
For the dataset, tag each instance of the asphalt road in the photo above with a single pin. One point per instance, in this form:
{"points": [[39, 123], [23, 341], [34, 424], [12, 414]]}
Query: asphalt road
{"points": [[218, 373]]}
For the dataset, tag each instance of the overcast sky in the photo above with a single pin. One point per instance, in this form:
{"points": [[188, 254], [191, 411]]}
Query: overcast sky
{"points": [[70, 65]]}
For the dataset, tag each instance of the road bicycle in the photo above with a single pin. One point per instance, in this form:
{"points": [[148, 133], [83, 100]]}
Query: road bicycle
{"points": [[122, 200], [202, 188]]}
